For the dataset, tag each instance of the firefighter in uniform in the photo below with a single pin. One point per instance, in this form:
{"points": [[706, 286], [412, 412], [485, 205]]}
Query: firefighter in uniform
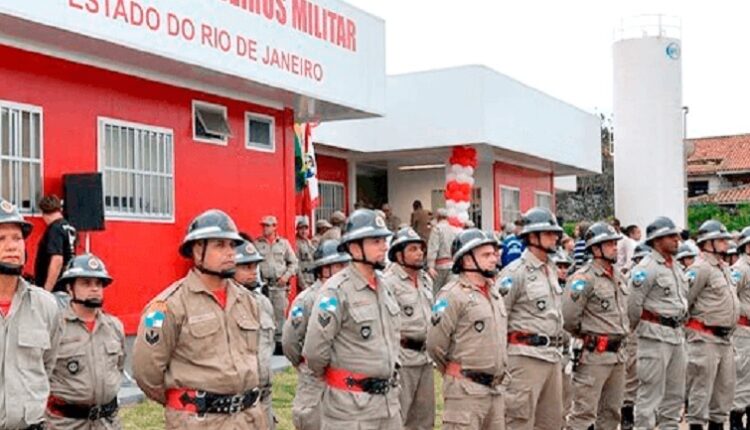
{"points": [[305, 251], [247, 259], [197, 343], [657, 307], [353, 337], [713, 308], [741, 274], [533, 299], [413, 291], [732, 254], [321, 226], [29, 330], [439, 258], [686, 255], [277, 268], [627, 420], [595, 310], [306, 405], [468, 336], [563, 263], [338, 219], [90, 362]]}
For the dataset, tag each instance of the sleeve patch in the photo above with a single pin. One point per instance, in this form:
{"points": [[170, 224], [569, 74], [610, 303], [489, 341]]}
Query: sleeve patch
{"points": [[639, 278], [578, 285], [691, 275], [506, 283], [736, 276], [297, 312], [154, 319], [440, 306], [328, 304]]}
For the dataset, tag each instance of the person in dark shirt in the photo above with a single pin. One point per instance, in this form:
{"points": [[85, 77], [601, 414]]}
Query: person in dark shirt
{"points": [[57, 246]]}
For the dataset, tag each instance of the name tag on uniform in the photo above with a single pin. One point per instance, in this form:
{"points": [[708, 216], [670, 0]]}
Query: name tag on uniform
{"points": [[201, 318]]}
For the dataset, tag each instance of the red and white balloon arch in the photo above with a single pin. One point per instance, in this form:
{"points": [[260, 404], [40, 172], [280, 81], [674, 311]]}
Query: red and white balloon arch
{"points": [[459, 182]]}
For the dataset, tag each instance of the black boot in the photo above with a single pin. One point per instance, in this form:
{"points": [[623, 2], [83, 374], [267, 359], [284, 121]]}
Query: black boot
{"points": [[591, 427], [627, 418], [735, 420], [715, 426], [696, 426]]}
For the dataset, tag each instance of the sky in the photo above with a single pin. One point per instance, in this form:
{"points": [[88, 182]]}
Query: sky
{"points": [[564, 48]]}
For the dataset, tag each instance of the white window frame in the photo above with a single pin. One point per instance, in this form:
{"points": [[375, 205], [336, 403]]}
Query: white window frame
{"points": [[35, 110], [502, 200], [538, 194], [101, 165], [198, 103], [256, 146], [343, 199]]}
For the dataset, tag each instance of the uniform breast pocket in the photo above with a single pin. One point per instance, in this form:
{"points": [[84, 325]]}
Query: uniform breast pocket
{"points": [[666, 284], [203, 337], [71, 361], [249, 333], [363, 318], [31, 347], [605, 302], [539, 297], [113, 350]]}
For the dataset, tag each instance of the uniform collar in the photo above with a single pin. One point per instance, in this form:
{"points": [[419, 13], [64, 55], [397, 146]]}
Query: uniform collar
{"points": [[70, 315], [466, 282], [600, 270], [711, 259], [360, 281], [531, 259], [273, 239], [195, 285]]}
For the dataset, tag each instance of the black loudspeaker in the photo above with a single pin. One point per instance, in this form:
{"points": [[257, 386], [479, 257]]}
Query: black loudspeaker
{"points": [[84, 201]]}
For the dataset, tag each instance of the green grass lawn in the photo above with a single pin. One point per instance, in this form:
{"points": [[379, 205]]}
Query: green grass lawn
{"points": [[150, 416]]}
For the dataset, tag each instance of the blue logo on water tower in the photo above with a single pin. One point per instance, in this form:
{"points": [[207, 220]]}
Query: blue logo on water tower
{"points": [[673, 50]]}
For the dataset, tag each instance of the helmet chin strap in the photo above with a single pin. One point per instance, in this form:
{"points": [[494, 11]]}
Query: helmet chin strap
{"points": [[534, 245], [609, 260], [224, 274], [422, 266], [88, 303], [11, 269], [491, 273], [377, 265]]}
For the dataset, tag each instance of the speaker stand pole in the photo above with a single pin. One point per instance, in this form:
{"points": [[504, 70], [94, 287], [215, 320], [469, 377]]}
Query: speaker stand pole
{"points": [[88, 243]]}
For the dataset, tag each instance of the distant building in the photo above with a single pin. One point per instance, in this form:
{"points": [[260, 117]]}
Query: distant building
{"points": [[719, 170]]}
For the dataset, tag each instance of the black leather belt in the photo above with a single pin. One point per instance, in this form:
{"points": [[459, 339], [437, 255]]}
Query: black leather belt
{"points": [[653, 317], [486, 379], [412, 344], [38, 426], [211, 403], [520, 338], [602, 343], [84, 412]]}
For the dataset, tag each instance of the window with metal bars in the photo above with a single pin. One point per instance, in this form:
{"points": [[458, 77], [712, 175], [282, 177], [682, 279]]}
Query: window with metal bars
{"points": [[137, 165], [510, 201], [330, 199], [21, 155]]}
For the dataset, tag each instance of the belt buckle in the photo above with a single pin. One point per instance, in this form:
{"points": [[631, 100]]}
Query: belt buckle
{"points": [[95, 413], [547, 340], [235, 403]]}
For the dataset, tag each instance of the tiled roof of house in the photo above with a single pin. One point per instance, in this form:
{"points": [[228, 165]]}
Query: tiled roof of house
{"points": [[719, 154], [734, 195]]}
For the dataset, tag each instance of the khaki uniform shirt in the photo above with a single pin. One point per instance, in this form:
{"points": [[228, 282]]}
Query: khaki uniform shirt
{"points": [[29, 339], [334, 233], [533, 298], [266, 342], [420, 221], [712, 297], [469, 328], [597, 304], [741, 274], [279, 259], [415, 298], [305, 251], [355, 327], [186, 340], [439, 245], [661, 288], [295, 327], [89, 365]]}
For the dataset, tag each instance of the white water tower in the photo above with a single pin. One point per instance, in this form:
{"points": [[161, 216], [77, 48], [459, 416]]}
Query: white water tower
{"points": [[648, 121]]}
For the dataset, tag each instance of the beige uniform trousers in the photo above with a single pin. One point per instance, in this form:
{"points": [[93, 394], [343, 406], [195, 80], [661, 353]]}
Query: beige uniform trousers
{"points": [[710, 382], [742, 360], [469, 405], [279, 297], [417, 397], [534, 394], [661, 384], [597, 396], [631, 370], [306, 403]]}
